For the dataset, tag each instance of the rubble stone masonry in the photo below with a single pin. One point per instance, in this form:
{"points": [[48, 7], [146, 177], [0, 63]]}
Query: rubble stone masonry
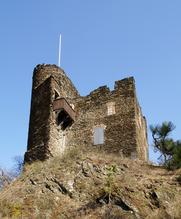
{"points": [[109, 120]]}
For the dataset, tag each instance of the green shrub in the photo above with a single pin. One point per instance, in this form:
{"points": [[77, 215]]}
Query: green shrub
{"points": [[110, 180]]}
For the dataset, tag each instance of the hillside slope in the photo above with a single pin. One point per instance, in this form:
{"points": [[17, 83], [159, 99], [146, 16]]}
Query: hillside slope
{"points": [[92, 185]]}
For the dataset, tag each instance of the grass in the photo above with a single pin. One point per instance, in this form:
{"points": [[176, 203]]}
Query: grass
{"points": [[93, 173]]}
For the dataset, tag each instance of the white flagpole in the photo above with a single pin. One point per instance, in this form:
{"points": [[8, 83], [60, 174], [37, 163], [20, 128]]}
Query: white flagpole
{"points": [[60, 48]]}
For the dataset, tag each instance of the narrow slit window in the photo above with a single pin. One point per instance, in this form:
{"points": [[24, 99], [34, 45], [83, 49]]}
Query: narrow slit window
{"points": [[56, 95], [98, 135]]}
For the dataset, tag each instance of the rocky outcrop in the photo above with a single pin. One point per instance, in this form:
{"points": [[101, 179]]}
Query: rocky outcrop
{"points": [[93, 186]]}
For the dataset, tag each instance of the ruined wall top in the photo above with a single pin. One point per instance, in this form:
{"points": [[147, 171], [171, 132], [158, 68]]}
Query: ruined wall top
{"points": [[123, 87], [44, 71]]}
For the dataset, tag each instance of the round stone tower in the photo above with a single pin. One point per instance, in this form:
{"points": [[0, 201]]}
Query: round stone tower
{"points": [[50, 83]]}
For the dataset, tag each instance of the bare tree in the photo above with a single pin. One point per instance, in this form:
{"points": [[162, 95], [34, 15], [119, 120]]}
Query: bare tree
{"points": [[18, 165], [6, 176]]}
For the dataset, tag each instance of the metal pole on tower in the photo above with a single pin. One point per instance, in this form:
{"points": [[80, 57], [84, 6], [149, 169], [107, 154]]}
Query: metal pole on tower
{"points": [[60, 48]]}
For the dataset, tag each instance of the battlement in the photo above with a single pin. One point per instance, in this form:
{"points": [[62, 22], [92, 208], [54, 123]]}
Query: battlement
{"points": [[125, 86], [124, 83], [61, 119], [100, 90]]}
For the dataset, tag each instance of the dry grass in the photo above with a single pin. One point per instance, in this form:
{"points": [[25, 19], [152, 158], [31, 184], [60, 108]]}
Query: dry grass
{"points": [[43, 190]]}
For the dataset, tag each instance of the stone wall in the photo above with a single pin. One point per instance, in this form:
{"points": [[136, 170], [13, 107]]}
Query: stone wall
{"points": [[43, 137], [141, 133], [116, 113], [38, 136], [120, 130]]}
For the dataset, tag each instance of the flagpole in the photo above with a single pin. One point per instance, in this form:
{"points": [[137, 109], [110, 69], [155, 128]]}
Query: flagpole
{"points": [[59, 52]]}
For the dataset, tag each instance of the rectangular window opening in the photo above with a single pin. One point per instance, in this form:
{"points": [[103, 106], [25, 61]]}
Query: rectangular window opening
{"points": [[98, 135], [111, 108]]}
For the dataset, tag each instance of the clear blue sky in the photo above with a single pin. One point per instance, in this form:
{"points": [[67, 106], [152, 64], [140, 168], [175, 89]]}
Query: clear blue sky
{"points": [[102, 41]]}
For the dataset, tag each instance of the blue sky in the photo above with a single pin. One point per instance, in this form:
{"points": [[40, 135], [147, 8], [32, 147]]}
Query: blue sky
{"points": [[102, 41]]}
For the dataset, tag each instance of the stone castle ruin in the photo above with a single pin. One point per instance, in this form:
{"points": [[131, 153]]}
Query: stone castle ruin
{"points": [[61, 119]]}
